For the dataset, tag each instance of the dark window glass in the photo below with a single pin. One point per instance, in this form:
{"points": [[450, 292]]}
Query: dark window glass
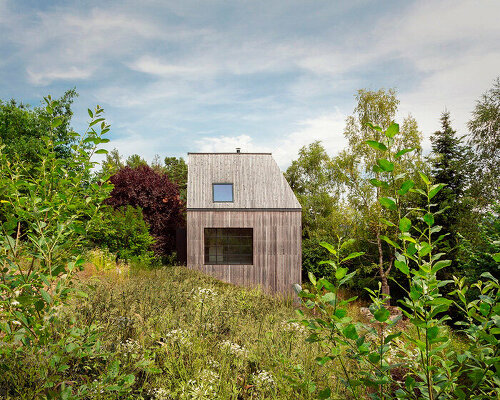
{"points": [[222, 191], [229, 246]]}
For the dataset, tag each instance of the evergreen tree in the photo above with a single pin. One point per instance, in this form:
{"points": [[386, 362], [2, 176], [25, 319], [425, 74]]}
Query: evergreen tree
{"points": [[449, 166]]}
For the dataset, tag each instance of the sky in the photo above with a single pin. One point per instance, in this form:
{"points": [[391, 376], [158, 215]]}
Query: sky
{"points": [[272, 76]]}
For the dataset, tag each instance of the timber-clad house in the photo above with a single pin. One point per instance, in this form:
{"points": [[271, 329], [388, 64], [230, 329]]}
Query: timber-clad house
{"points": [[243, 220]]}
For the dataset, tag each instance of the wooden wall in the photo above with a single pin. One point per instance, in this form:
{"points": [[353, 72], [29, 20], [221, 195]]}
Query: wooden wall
{"points": [[277, 249]]}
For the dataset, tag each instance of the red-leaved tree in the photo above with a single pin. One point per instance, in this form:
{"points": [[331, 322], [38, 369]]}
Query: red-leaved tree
{"points": [[157, 196]]}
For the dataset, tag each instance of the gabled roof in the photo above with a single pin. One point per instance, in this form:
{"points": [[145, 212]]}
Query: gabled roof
{"points": [[257, 181]]}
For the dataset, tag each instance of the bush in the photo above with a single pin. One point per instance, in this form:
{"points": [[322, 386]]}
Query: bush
{"points": [[158, 198], [123, 232]]}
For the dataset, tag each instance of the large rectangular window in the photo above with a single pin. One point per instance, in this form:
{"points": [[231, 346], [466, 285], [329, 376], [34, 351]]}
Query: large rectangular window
{"points": [[229, 246], [222, 192]]}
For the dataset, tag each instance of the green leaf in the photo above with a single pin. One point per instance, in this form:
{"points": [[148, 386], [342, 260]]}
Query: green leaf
{"points": [[101, 151], [312, 278], [440, 265], [323, 360], [340, 273], [350, 332], [496, 257], [432, 332], [392, 130], [91, 115], [425, 249], [353, 255], [393, 336], [378, 183], [376, 127], [386, 165], [404, 224], [382, 314], [401, 265], [374, 358], [46, 296], [325, 394], [386, 222], [329, 247], [389, 241], [389, 203], [435, 189], [56, 122], [402, 152], [376, 145], [429, 219], [406, 186], [424, 178]]}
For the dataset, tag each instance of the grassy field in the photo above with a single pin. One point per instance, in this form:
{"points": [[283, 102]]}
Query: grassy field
{"points": [[173, 333], [184, 335]]}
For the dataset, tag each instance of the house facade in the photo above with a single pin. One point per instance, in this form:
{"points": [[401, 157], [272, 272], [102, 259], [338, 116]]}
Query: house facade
{"points": [[243, 221]]}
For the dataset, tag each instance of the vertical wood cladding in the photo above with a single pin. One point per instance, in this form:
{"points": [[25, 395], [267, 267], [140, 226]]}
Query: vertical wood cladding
{"points": [[257, 181], [277, 247]]}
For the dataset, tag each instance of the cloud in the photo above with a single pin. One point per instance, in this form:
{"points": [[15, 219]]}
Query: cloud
{"points": [[327, 128], [45, 77]]}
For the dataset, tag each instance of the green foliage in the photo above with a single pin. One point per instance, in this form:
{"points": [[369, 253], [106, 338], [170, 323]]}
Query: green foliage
{"points": [[371, 355], [485, 138], [123, 232], [22, 129], [47, 204], [476, 258], [177, 171]]}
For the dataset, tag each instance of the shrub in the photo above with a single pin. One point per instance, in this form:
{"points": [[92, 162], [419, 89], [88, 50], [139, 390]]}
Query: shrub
{"points": [[123, 232], [157, 197], [424, 365], [48, 207]]}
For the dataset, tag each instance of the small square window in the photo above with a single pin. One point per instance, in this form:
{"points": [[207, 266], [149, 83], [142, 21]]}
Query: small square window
{"points": [[222, 192]]}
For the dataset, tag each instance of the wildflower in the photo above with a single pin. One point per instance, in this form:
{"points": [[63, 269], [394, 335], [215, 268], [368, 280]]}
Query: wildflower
{"points": [[160, 394], [264, 379], [180, 336], [235, 349], [130, 346], [293, 327], [203, 295], [15, 303]]}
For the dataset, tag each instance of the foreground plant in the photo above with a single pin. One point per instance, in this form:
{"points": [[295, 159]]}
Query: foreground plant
{"points": [[45, 212], [422, 365]]}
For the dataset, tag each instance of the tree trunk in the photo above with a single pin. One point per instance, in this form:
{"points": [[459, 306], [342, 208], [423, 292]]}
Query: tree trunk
{"points": [[383, 276]]}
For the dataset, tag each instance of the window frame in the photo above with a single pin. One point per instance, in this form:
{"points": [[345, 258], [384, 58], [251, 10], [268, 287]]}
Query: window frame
{"points": [[225, 244], [223, 184]]}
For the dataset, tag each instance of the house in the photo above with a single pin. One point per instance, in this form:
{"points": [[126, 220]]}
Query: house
{"points": [[243, 221]]}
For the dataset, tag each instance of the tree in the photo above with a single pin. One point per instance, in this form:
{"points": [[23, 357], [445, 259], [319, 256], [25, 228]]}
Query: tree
{"points": [[449, 160], [135, 160], [158, 198], [177, 171], [22, 129], [375, 108], [112, 164], [485, 138], [123, 232]]}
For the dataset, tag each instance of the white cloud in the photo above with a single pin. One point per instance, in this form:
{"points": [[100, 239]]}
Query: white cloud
{"points": [[328, 128], [46, 76]]}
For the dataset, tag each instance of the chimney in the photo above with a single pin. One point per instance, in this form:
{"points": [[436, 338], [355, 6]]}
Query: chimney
{"points": [[238, 149]]}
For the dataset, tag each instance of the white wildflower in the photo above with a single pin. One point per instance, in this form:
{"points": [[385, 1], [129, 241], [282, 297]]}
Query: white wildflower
{"points": [[180, 336], [130, 346], [294, 327], [16, 322], [15, 303], [235, 349], [202, 295], [264, 379], [160, 394]]}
